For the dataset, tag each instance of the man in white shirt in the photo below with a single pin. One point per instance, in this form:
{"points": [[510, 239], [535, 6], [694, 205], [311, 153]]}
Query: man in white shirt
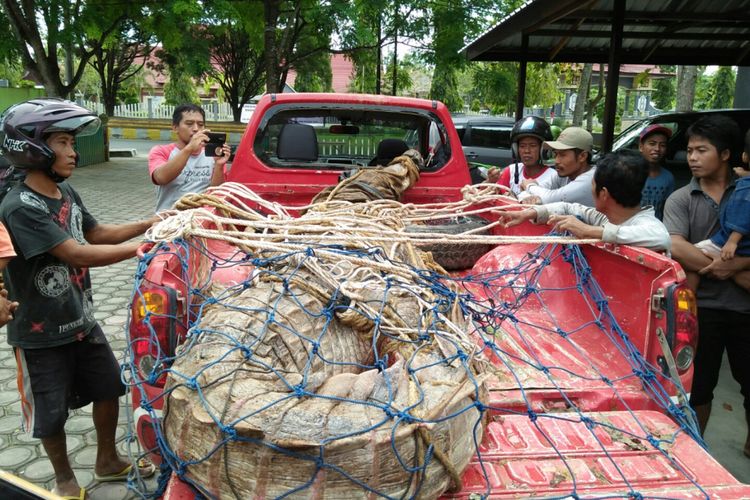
{"points": [[617, 217], [572, 153]]}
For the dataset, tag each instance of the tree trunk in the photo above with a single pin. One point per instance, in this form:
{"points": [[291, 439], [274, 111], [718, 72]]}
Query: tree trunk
{"points": [[271, 10], [583, 94], [595, 101], [395, 62], [379, 56], [742, 88], [686, 78]]}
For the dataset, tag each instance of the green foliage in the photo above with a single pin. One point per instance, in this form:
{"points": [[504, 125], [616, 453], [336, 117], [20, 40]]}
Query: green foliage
{"points": [[665, 90], [642, 79], [495, 84], [314, 74], [722, 88], [404, 81], [180, 89], [542, 86], [599, 111], [702, 91], [475, 105]]}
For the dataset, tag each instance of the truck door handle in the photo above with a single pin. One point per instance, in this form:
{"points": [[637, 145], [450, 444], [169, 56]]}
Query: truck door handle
{"points": [[472, 156]]}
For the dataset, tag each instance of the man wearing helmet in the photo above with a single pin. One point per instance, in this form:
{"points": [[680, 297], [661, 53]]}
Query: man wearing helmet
{"points": [[183, 167], [526, 139], [64, 360]]}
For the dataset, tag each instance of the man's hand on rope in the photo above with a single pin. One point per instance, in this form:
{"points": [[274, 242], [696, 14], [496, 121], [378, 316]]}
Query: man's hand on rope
{"points": [[493, 175], [532, 200], [575, 226], [514, 218]]}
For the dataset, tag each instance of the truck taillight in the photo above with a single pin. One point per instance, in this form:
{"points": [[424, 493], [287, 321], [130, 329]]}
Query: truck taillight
{"points": [[153, 331], [682, 326]]}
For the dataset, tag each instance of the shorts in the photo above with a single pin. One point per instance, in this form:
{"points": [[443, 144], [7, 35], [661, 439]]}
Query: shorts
{"points": [[709, 248], [55, 379]]}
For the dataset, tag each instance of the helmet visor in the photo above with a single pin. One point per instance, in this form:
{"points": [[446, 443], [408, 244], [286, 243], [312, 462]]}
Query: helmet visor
{"points": [[79, 125]]}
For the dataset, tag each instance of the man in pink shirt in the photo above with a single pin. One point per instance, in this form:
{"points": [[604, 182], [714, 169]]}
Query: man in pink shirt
{"points": [[182, 167], [7, 307]]}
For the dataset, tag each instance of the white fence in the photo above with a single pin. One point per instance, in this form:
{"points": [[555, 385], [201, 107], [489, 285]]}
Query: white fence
{"points": [[215, 111]]}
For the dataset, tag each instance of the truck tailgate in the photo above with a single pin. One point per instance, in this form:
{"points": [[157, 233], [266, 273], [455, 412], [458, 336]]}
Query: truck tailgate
{"points": [[556, 456]]}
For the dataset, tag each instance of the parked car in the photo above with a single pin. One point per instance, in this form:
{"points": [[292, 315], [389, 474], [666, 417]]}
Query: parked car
{"points": [[485, 140], [676, 159]]}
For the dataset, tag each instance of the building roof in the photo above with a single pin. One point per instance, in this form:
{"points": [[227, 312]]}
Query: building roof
{"points": [[694, 32]]}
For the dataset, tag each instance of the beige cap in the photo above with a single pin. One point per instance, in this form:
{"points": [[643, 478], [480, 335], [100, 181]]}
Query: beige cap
{"points": [[572, 138]]}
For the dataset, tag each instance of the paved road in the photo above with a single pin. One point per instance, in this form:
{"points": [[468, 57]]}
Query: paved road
{"points": [[119, 191], [142, 147]]}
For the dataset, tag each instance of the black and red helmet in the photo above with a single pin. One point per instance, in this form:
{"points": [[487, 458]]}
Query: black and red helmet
{"points": [[27, 125]]}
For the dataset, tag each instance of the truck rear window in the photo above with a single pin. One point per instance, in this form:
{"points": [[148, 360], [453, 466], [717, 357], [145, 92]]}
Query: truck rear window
{"points": [[342, 138]]}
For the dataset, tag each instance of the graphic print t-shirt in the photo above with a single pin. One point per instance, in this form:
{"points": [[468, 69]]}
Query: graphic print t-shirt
{"points": [[55, 301], [194, 178]]}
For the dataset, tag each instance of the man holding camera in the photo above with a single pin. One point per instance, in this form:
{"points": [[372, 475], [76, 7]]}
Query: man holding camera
{"points": [[183, 167]]}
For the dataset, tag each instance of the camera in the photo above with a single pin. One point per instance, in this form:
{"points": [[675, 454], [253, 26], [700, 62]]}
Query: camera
{"points": [[215, 142]]}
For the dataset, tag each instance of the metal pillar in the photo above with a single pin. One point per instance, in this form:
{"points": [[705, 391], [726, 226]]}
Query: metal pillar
{"points": [[742, 88], [613, 75], [522, 77]]}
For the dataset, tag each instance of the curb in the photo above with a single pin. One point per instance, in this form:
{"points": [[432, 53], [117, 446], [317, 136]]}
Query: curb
{"points": [[151, 134], [161, 130]]}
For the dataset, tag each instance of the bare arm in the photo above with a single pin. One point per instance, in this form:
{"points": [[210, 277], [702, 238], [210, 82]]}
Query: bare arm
{"points": [[76, 255], [169, 171], [166, 173], [689, 257], [730, 247], [112, 234]]}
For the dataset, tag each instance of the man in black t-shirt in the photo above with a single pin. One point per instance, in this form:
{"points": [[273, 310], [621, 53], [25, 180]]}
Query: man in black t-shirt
{"points": [[64, 360]]}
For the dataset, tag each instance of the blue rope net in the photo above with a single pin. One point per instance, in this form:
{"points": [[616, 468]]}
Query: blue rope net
{"points": [[290, 385]]}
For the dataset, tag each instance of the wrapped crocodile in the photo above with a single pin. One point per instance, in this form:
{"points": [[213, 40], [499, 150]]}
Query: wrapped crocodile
{"points": [[343, 372]]}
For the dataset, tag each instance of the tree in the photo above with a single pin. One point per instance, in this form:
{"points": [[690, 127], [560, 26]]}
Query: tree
{"points": [[722, 91], [237, 64], [314, 74], [495, 84], [448, 24], [66, 25], [582, 98], [122, 55], [180, 88], [542, 83], [686, 79], [664, 89]]}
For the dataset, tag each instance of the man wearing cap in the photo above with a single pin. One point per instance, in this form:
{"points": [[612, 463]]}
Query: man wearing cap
{"points": [[660, 182], [572, 152]]}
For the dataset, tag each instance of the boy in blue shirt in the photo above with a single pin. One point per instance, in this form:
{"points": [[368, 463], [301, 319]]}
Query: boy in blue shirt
{"points": [[660, 181]]}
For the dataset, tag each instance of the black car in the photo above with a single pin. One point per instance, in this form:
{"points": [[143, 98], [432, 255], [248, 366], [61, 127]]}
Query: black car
{"points": [[676, 158], [485, 140]]}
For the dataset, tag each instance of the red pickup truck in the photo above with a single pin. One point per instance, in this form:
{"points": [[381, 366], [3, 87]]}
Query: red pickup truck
{"points": [[592, 345]]}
